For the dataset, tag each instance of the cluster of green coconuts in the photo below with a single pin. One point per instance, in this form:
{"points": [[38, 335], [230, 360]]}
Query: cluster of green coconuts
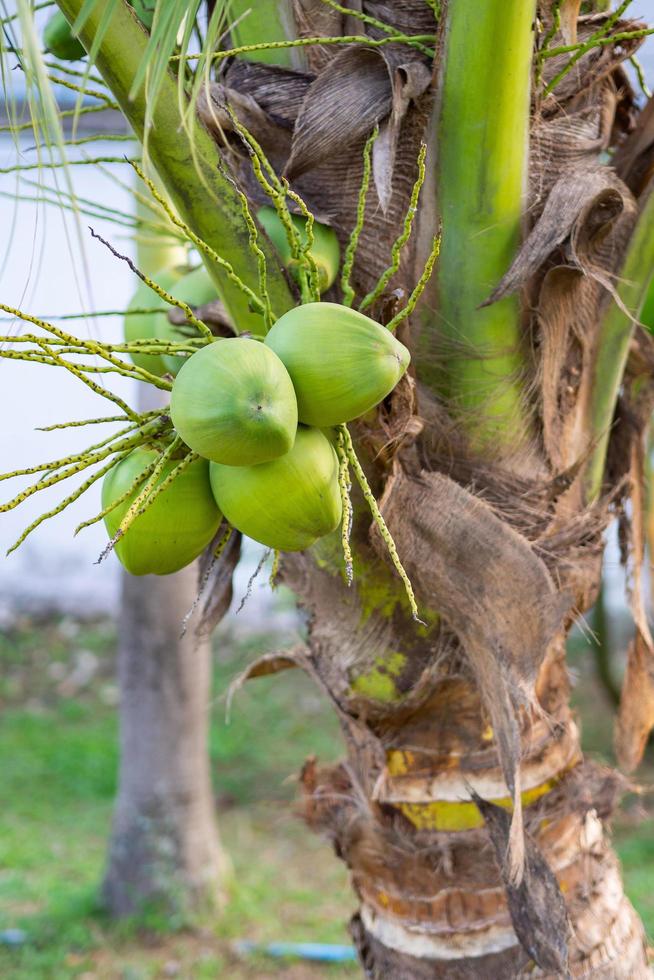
{"points": [[259, 414]]}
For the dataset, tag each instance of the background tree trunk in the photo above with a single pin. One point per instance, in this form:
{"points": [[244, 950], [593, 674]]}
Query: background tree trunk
{"points": [[165, 850]]}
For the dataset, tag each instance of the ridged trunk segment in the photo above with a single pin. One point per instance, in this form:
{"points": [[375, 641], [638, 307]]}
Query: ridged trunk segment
{"points": [[399, 810]]}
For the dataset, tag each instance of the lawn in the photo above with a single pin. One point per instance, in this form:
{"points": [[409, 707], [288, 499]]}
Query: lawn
{"points": [[58, 745]]}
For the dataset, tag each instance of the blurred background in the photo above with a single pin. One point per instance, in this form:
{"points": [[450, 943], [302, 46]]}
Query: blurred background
{"points": [[58, 692]]}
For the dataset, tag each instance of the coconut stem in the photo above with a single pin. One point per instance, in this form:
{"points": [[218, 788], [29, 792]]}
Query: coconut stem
{"points": [[64, 114], [345, 485], [351, 11], [403, 237], [583, 47], [151, 490], [159, 290], [217, 552], [379, 520], [305, 250], [89, 346], [419, 288], [54, 164], [68, 500], [82, 462], [77, 423], [413, 40], [56, 464], [274, 571], [278, 190], [355, 234], [253, 240], [135, 484]]}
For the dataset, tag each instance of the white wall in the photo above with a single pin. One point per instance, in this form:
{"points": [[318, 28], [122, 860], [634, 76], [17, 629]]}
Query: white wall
{"points": [[44, 257]]}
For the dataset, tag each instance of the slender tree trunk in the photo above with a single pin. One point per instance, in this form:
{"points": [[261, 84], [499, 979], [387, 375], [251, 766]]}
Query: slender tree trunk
{"points": [[165, 848]]}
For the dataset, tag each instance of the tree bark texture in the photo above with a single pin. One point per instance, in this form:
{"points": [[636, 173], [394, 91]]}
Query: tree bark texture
{"points": [[400, 812]]}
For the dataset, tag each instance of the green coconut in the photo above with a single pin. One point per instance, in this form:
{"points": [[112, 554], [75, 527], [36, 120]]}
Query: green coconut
{"points": [[195, 288], [144, 326], [176, 527], [288, 503], [233, 402], [144, 10], [325, 250], [60, 41], [341, 362]]}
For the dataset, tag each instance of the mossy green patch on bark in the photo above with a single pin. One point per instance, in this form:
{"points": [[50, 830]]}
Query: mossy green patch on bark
{"points": [[379, 683]]}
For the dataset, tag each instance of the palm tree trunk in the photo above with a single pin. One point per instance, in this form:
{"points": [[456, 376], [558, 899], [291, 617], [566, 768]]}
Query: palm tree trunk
{"points": [[406, 809], [399, 810]]}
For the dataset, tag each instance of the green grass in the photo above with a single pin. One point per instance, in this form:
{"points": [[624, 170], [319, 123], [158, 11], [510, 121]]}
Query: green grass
{"points": [[59, 761], [58, 768]]}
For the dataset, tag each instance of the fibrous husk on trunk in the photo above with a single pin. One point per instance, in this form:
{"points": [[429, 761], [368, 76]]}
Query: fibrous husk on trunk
{"points": [[480, 573], [313, 125], [634, 159], [627, 460], [594, 65]]}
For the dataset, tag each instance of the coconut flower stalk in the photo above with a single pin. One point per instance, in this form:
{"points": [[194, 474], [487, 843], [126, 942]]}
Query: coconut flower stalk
{"points": [[460, 157]]}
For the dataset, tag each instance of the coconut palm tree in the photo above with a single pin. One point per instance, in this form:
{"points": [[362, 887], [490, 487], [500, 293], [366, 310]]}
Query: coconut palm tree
{"points": [[487, 169]]}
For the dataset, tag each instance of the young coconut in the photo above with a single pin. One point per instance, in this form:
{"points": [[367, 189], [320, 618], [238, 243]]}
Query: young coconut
{"points": [[288, 503], [233, 402], [144, 10], [195, 288], [175, 528], [325, 250], [341, 362], [144, 326], [60, 41]]}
